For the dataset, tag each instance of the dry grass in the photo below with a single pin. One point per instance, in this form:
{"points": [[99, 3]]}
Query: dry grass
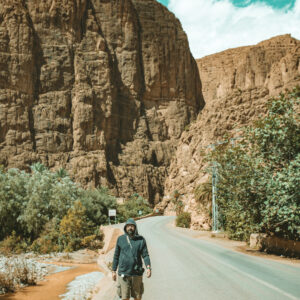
{"points": [[16, 273], [7, 283]]}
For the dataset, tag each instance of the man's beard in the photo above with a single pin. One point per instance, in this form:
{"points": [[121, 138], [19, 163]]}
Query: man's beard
{"points": [[130, 232]]}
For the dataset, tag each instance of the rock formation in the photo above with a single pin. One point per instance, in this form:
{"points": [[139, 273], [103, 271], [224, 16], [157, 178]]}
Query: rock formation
{"points": [[101, 88], [236, 84], [109, 91]]}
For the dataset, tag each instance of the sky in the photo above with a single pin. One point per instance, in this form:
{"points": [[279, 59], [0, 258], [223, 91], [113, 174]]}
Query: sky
{"points": [[216, 25]]}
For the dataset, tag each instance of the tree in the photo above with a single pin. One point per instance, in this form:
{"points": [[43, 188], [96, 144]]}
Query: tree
{"points": [[74, 227], [258, 189], [39, 190], [132, 207], [42, 211], [12, 201], [97, 202]]}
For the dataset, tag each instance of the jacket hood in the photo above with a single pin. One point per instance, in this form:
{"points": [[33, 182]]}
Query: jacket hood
{"points": [[132, 222]]}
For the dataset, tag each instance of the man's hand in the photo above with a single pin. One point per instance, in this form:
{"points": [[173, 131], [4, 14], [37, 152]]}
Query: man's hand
{"points": [[114, 276], [148, 273]]}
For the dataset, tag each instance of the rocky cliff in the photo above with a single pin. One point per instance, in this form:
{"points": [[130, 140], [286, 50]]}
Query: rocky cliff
{"points": [[236, 84], [101, 88]]}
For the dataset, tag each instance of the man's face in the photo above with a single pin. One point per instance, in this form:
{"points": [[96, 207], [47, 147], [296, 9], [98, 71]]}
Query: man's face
{"points": [[130, 228]]}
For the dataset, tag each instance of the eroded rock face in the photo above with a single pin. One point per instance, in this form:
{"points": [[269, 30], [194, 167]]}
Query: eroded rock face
{"points": [[102, 88], [236, 85]]}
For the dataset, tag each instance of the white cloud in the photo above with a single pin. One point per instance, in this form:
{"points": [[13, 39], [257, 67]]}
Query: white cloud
{"points": [[213, 26]]}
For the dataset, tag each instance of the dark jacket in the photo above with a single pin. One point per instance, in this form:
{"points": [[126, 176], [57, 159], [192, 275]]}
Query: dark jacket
{"points": [[126, 258]]}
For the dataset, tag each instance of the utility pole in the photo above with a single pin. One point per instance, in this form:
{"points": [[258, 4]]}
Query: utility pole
{"points": [[215, 211], [214, 197]]}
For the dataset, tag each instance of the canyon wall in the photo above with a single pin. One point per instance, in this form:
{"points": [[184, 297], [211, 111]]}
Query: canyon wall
{"points": [[236, 85], [101, 88], [110, 91]]}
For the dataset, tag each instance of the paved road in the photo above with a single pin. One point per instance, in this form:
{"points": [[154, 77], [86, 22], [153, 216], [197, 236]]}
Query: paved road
{"points": [[188, 268]]}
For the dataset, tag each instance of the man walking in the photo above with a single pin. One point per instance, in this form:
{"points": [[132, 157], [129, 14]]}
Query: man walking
{"points": [[130, 249]]}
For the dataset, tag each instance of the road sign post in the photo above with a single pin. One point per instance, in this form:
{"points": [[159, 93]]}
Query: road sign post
{"points": [[112, 213]]}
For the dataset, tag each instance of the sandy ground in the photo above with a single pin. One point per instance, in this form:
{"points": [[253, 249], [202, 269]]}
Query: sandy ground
{"points": [[56, 284]]}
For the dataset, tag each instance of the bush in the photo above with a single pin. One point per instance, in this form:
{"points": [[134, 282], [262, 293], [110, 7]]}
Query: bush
{"points": [[92, 242], [203, 192], [74, 227], [16, 272], [258, 187], [183, 220], [7, 283], [177, 202], [13, 244]]}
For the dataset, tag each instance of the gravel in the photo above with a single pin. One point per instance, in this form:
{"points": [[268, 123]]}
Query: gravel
{"points": [[78, 289], [81, 286]]}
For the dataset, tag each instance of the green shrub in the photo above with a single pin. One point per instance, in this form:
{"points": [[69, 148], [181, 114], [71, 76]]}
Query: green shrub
{"points": [[44, 245], [203, 192], [49, 239], [132, 207], [183, 220], [13, 199], [177, 202], [97, 202], [187, 127], [13, 244], [92, 242], [74, 227], [48, 195]]}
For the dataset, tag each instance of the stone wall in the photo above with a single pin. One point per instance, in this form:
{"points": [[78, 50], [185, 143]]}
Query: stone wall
{"points": [[272, 244]]}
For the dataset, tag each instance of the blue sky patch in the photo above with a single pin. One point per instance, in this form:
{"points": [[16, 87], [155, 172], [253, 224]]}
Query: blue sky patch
{"points": [[278, 4], [165, 2]]}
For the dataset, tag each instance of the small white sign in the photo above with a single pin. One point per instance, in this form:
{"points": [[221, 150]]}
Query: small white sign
{"points": [[112, 213]]}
